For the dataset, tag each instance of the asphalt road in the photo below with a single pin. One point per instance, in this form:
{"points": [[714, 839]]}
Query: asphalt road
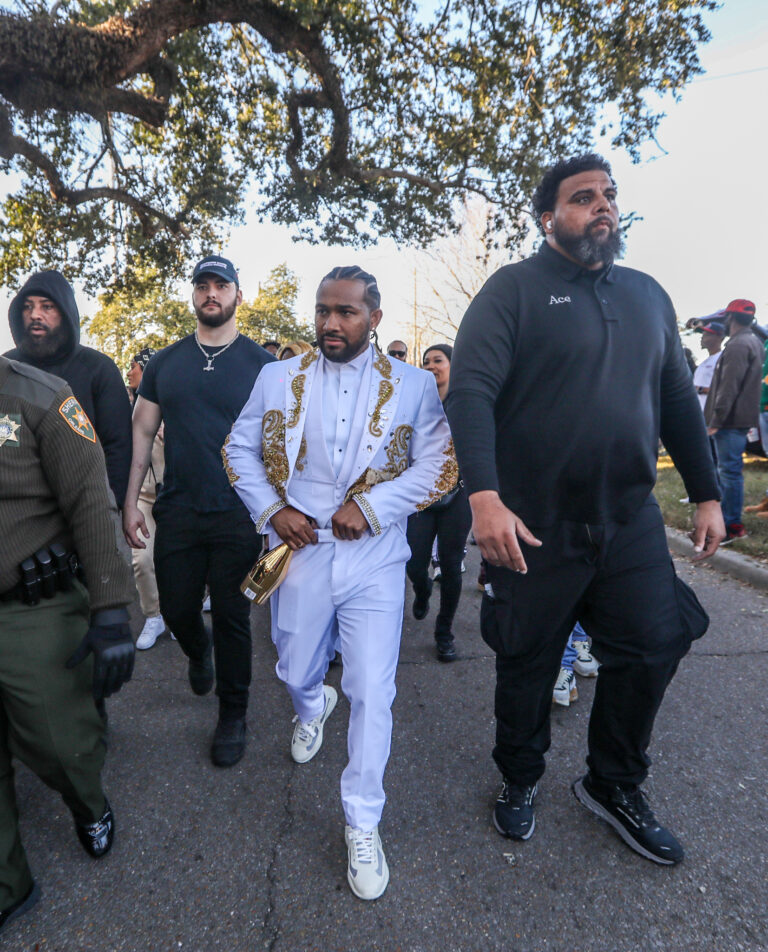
{"points": [[253, 858]]}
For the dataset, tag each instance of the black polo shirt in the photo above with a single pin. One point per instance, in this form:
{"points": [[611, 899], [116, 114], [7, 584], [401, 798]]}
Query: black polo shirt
{"points": [[562, 382], [198, 409]]}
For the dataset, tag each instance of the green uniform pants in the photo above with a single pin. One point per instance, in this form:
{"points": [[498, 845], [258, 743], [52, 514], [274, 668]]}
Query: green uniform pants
{"points": [[47, 719]]}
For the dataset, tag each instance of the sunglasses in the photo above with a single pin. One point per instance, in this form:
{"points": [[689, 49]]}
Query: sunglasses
{"points": [[396, 353]]}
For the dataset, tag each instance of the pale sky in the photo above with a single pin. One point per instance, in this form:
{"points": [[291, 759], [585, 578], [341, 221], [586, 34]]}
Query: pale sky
{"points": [[703, 234]]}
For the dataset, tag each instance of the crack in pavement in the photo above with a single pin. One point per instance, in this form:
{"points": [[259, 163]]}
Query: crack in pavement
{"points": [[270, 922], [430, 662], [730, 654]]}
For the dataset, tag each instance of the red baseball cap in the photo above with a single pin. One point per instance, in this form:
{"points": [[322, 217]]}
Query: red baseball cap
{"points": [[741, 306]]}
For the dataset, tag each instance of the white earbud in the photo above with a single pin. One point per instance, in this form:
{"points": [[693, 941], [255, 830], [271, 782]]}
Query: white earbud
{"points": [[549, 226]]}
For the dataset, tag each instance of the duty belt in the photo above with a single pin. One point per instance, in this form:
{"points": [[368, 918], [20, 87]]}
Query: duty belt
{"points": [[50, 570]]}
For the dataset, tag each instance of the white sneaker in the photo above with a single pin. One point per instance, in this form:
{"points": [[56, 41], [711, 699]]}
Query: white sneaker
{"points": [[308, 738], [565, 688], [585, 664], [207, 603], [367, 870], [153, 628]]}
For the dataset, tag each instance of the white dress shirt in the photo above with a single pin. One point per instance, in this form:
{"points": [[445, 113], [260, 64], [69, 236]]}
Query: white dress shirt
{"points": [[342, 388]]}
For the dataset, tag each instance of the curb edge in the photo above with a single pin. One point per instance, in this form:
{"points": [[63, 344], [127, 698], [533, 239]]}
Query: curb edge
{"points": [[730, 563]]}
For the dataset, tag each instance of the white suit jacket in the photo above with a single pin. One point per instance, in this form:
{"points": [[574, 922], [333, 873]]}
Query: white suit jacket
{"points": [[404, 460]]}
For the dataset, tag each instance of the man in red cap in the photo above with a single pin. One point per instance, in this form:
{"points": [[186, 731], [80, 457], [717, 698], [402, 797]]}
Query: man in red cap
{"points": [[732, 407]]}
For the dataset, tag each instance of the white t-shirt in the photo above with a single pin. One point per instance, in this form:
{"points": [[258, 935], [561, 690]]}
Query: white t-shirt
{"points": [[702, 376]]}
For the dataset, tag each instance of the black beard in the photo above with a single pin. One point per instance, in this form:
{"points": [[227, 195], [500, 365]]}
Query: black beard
{"points": [[47, 346], [347, 353], [588, 249], [216, 320]]}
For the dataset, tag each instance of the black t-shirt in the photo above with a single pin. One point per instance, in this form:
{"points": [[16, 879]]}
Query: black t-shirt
{"points": [[198, 409], [562, 381]]}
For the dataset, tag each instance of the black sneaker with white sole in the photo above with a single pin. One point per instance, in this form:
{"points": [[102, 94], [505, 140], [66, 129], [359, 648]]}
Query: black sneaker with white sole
{"points": [[513, 814], [628, 812]]}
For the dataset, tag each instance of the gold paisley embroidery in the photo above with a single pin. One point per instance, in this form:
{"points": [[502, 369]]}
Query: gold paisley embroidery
{"points": [[231, 474], [383, 366], [308, 359], [446, 479], [297, 389], [385, 392], [302, 457], [397, 462], [273, 450]]}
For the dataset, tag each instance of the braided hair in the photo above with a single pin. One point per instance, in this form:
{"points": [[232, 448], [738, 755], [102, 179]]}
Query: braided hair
{"points": [[372, 296]]}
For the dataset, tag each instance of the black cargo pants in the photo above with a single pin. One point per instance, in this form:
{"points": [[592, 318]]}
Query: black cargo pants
{"points": [[620, 583]]}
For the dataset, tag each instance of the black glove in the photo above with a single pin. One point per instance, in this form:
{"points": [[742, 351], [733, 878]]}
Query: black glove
{"points": [[113, 654]]}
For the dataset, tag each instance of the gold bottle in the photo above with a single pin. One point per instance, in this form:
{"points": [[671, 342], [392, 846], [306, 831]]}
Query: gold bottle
{"points": [[267, 574]]}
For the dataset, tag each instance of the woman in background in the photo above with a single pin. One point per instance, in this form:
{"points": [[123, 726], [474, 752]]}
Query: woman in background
{"points": [[293, 348], [449, 519], [143, 559]]}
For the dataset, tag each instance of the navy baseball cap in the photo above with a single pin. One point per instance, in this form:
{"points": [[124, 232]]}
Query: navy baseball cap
{"points": [[713, 327], [142, 358], [218, 266]]}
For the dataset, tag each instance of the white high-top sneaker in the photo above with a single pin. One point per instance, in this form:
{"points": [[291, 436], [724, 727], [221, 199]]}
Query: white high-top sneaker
{"points": [[367, 870], [153, 628]]}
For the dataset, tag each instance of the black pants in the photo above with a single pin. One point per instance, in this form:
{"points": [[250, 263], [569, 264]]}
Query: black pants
{"points": [[220, 548], [451, 525], [620, 583]]}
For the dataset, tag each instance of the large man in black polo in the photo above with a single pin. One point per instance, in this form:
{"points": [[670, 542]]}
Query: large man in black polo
{"points": [[198, 386], [565, 373]]}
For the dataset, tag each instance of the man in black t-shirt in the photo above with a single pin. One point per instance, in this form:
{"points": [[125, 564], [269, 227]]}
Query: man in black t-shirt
{"points": [[197, 387], [565, 373]]}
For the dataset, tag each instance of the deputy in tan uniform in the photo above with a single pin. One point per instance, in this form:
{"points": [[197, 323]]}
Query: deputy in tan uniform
{"points": [[54, 512]]}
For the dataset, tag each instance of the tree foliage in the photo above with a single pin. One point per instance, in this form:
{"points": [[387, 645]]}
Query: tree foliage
{"points": [[272, 313], [453, 269], [142, 313], [141, 127]]}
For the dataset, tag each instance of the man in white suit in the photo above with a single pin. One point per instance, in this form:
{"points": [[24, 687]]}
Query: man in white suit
{"points": [[330, 454]]}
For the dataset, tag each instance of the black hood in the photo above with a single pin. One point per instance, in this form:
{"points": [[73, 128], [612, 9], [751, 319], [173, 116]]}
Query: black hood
{"points": [[52, 285]]}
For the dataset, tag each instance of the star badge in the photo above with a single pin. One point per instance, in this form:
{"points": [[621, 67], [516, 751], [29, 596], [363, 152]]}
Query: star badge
{"points": [[8, 429]]}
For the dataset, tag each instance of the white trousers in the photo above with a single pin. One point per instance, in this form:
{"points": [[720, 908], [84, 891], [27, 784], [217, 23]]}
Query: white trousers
{"points": [[347, 595]]}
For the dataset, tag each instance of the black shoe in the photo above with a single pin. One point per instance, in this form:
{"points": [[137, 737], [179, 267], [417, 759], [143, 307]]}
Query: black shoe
{"points": [[446, 650], [228, 741], [97, 837], [513, 814], [628, 812], [19, 908], [201, 674], [421, 602]]}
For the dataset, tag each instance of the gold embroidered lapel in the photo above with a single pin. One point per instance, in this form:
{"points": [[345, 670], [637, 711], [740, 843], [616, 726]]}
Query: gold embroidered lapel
{"points": [[386, 389]]}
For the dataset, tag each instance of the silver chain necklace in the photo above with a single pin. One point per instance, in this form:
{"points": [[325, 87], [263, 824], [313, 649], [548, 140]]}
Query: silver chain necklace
{"points": [[211, 357]]}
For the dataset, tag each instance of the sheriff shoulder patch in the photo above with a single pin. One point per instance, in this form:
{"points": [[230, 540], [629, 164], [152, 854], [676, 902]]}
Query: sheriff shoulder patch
{"points": [[10, 424], [77, 419]]}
